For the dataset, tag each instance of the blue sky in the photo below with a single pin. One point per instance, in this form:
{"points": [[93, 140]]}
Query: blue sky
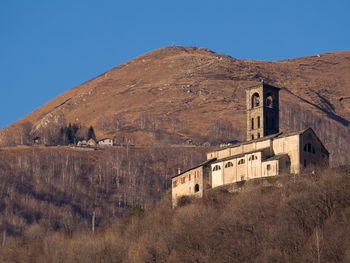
{"points": [[48, 47]]}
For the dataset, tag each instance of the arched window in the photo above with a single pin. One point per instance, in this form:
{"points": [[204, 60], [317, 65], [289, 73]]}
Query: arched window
{"points": [[229, 164], [269, 100], [242, 161], [217, 168], [255, 100], [258, 134], [252, 136], [309, 147], [196, 188]]}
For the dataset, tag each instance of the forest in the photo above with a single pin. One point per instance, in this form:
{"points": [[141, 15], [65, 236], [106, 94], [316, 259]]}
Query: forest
{"points": [[59, 188], [303, 218]]}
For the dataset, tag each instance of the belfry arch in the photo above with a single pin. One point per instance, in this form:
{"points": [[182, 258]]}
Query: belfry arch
{"points": [[255, 100]]}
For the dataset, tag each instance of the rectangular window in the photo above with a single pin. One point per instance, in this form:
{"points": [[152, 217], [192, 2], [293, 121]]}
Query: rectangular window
{"points": [[268, 167], [252, 136], [189, 177], [252, 123], [258, 134], [183, 180], [258, 121]]}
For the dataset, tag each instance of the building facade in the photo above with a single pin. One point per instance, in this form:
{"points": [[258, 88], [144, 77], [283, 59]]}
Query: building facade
{"points": [[267, 152], [105, 142]]}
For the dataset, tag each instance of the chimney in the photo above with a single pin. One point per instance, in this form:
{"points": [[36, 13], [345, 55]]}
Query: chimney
{"points": [[178, 170]]}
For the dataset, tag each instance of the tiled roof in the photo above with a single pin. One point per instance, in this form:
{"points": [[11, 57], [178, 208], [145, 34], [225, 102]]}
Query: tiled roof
{"points": [[265, 84], [201, 164], [276, 157], [240, 155], [268, 137]]}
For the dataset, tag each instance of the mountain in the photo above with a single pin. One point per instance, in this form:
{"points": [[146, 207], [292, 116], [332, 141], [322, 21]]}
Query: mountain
{"points": [[175, 93]]}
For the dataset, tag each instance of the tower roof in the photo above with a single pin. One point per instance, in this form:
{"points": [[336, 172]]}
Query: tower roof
{"points": [[263, 84]]}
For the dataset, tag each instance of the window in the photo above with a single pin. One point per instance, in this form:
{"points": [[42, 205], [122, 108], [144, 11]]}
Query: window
{"points": [[229, 164], [268, 167], [189, 177], [258, 134], [174, 184], [217, 168], [304, 163], [255, 100], [252, 136], [252, 123], [183, 180], [253, 157], [242, 161], [196, 188], [258, 121], [269, 101], [309, 148]]}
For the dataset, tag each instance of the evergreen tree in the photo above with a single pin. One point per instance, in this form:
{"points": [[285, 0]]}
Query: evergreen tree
{"points": [[91, 133]]}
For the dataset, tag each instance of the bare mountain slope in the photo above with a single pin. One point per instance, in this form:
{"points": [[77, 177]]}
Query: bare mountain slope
{"points": [[177, 93]]}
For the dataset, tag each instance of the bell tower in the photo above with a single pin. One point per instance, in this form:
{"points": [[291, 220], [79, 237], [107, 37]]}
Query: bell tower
{"points": [[262, 110]]}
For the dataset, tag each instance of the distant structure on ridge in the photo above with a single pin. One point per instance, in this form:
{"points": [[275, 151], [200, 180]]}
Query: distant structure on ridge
{"points": [[267, 151]]}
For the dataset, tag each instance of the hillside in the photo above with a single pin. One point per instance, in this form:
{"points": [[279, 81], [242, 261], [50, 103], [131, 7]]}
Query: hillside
{"points": [[176, 93], [287, 219], [59, 188]]}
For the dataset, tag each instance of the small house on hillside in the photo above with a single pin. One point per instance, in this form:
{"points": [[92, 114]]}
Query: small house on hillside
{"points": [[91, 143], [82, 143], [105, 142]]}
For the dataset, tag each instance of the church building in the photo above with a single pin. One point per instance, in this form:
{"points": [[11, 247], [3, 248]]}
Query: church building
{"points": [[266, 152]]}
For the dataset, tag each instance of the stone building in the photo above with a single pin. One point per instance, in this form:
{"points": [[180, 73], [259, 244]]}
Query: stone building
{"points": [[267, 151]]}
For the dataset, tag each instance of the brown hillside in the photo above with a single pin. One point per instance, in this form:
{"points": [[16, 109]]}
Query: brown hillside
{"points": [[175, 93]]}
